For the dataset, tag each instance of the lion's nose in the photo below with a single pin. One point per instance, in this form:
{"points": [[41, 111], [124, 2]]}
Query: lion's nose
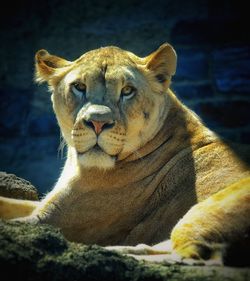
{"points": [[98, 117], [98, 126]]}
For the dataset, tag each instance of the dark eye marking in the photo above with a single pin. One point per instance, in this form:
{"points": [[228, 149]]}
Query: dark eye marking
{"points": [[161, 78], [146, 115]]}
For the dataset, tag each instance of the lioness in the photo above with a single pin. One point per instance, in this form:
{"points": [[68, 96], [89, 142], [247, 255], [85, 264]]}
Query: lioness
{"points": [[138, 160]]}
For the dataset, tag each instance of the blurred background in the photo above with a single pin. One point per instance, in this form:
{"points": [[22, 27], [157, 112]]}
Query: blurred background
{"points": [[212, 40]]}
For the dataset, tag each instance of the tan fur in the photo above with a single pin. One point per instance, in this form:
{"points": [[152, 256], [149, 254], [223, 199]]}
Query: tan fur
{"points": [[153, 164], [14, 208], [213, 221]]}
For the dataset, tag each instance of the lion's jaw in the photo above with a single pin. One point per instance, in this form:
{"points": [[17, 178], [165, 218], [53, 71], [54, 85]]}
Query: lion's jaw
{"points": [[96, 159]]}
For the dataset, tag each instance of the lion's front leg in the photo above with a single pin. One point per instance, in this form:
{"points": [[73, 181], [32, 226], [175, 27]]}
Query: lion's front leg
{"points": [[16, 208], [160, 253], [143, 249], [223, 217]]}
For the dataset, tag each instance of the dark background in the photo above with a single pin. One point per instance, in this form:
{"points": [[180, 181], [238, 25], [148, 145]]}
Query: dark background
{"points": [[212, 40]]}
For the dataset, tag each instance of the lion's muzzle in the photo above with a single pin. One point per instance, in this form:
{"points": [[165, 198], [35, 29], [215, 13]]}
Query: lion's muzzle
{"points": [[98, 117]]}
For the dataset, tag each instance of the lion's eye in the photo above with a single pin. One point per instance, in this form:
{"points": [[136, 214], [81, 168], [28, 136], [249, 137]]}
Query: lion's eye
{"points": [[79, 89], [128, 92]]}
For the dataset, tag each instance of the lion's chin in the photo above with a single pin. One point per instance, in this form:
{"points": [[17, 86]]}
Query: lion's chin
{"points": [[96, 158]]}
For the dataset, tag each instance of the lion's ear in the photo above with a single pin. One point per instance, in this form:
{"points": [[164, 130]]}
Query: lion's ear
{"points": [[47, 65], [163, 63]]}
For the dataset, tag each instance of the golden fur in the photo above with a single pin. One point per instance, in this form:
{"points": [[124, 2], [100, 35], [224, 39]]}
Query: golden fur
{"points": [[152, 161]]}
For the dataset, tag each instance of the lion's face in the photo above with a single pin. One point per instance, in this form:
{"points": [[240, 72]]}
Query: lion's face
{"points": [[108, 102]]}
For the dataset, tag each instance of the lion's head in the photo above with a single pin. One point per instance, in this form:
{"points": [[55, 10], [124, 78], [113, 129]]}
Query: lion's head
{"points": [[109, 102]]}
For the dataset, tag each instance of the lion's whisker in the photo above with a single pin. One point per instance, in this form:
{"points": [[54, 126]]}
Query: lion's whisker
{"points": [[61, 147]]}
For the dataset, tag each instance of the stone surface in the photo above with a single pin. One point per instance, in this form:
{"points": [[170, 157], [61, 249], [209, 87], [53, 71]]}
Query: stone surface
{"points": [[209, 31], [189, 92], [245, 136], [40, 252], [231, 69], [15, 187], [223, 113], [14, 110], [192, 64], [44, 124]]}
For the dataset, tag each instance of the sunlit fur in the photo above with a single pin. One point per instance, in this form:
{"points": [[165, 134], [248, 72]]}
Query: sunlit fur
{"points": [[225, 208], [133, 182], [93, 159]]}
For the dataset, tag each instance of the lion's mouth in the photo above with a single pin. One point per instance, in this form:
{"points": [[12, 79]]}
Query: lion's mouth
{"points": [[96, 157], [95, 149]]}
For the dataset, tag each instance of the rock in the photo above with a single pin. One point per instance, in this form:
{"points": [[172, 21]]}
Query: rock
{"points": [[230, 135], [192, 64], [14, 109], [210, 31], [224, 113], [231, 69], [15, 187], [43, 125], [191, 91], [39, 252], [245, 136]]}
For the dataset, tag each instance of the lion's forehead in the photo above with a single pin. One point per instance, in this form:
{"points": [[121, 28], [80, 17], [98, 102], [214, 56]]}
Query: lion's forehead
{"points": [[111, 55], [109, 63], [109, 75]]}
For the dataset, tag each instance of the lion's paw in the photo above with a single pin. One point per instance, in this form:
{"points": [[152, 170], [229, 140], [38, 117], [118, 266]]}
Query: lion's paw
{"points": [[209, 254], [29, 219], [164, 254], [143, 249]]}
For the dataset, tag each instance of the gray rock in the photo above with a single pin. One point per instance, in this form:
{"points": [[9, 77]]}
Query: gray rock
{"points": [[231, 68], [210, 31], [14, 109], [40, 252], [192, 64], [224, 113], [189, 92], [15, 187], [43, 125]]}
